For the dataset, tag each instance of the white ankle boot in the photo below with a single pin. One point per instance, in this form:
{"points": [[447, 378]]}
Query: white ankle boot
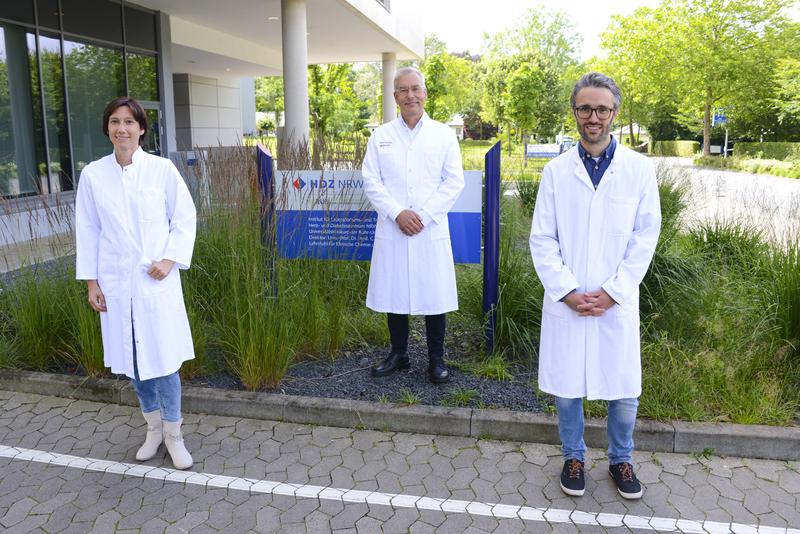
{"points": [[173, 439], [154, 436]]}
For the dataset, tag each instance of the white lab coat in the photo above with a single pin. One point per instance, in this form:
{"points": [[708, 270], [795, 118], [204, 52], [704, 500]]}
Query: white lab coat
{"points": [[116, 249], [585, 239], [412, 275]]}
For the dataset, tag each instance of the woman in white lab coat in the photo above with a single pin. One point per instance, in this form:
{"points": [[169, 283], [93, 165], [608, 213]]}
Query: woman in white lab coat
{"points": [[135, 228]]}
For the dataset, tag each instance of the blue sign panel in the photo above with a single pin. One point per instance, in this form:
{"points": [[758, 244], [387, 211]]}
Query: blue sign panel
{"points": [[542, 150], [326, 215]]}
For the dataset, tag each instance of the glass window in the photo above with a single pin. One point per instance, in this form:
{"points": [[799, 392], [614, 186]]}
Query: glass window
{"points": [[60, 178], [47, 11], [140, 29], [19, 105], [19, 10], [101, 19], [152, 139], [142, 81], [95, 76]]}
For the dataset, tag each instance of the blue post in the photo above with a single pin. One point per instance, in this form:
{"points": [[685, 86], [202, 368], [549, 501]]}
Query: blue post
{"points": [[491, 242], [266, 184]]}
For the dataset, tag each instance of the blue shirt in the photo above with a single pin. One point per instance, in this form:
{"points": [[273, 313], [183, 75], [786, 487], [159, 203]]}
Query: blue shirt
{"points": [[596, 169]]}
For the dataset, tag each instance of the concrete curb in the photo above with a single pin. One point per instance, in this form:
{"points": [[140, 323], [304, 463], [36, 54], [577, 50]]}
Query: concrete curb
{"points": [[749, 441]]}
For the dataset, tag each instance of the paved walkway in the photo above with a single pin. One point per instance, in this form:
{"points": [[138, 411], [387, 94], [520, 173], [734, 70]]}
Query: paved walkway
{"points": [[261, 476]]}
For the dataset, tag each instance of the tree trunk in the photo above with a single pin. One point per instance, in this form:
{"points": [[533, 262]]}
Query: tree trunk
{"points": [[707, 125]]}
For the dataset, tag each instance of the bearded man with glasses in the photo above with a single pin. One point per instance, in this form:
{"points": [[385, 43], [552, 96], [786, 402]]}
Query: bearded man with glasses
{"points": [[595, 228]]}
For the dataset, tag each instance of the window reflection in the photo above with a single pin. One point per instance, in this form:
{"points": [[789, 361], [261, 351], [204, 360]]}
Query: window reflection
{"points": [[60, 178], [18, 136], [94, 77], [142, 84]]}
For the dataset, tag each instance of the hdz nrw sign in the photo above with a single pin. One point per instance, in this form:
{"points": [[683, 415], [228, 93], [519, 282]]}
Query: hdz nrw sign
{"points": [[326, 215]]}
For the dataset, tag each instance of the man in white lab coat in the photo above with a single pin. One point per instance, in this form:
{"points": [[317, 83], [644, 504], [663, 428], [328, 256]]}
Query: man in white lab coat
{"points": [[594, 231], [413, 176]]}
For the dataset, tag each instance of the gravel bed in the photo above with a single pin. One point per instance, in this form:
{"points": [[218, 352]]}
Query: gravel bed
{"points": [[348, 377]]}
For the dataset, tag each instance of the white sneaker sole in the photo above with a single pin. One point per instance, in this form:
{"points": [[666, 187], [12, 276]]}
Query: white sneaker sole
{"points": [[572, 492]]}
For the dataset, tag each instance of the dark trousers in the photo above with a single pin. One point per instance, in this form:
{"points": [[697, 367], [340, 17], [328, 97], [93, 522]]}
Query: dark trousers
{"points": [[434, 333]]}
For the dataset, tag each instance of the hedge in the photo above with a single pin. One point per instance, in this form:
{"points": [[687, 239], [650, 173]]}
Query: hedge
{"points": [[685, 149], [770, 150]]}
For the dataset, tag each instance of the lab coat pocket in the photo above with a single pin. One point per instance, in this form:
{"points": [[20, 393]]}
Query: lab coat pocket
{"points": [[153, 204], [434, 163], [620, 215], [151, 286], [556, 308], [387, 159]]}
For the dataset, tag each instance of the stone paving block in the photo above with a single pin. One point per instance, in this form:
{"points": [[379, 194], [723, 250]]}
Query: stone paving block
{"points": [[789, 481], [27, 525], [187, 523], [401, 520], [18, 512], [775, 492], [788, 512], [349, 515], [141, 516]]}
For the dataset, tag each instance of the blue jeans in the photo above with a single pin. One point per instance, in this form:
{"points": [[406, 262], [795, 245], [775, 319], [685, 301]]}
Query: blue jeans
{"points": [[160, 393], [621, 420]]}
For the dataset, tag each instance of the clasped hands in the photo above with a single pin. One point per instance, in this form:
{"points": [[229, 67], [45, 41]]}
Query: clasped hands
{"points": [[589, 304], [410, 222]]}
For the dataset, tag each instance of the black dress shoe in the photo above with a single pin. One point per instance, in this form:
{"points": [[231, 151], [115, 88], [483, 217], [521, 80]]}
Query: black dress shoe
{"points": [[437, 372], [391, 364]]}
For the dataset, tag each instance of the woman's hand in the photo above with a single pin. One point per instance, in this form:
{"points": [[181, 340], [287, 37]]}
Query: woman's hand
{"points": [[160, 269], [96, 298]]}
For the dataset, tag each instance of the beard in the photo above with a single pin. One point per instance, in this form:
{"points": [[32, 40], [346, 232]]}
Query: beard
{"points": [[599, 136]]}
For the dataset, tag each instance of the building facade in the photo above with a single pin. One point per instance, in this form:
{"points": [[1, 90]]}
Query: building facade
{"points": [[190, 63]]}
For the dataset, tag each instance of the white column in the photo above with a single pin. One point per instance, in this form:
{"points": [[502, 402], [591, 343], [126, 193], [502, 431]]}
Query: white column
{"points": [[389, 105], [295, 73]]}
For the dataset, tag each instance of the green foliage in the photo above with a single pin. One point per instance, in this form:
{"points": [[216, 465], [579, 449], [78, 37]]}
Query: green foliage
{"points": [[493, 367], [450, 84], [36, 317], [459, 397], [407, 398], [769, 150], [787, 78], [84, 344], [685, 149], [701, 55], [788, 169], [527, 189]]}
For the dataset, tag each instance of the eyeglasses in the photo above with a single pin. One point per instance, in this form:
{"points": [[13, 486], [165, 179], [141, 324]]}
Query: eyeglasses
{"points": [[414, 89], [584, 112]]}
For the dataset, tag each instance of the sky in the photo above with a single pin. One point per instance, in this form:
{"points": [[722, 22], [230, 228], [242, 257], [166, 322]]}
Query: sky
{"points": [[461, 23]]}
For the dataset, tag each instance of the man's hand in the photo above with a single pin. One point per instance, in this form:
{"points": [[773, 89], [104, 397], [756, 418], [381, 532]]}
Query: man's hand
{"points": [[160, 269], [96, 298], [589, 304], [409, 222]]}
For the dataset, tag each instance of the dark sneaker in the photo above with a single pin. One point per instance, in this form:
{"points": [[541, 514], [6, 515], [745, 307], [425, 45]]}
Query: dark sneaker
{"points": [[625, 479], [572, 481]]}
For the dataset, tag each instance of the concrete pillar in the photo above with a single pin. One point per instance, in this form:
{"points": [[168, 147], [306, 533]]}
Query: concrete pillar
{"points": [[389, 105], [295, 70]]}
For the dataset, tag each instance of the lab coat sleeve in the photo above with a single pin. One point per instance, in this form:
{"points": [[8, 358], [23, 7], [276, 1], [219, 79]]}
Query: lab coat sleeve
{"points": [[182, 220], [374, 188], [87, 231], [642, 244], [554, 274], [439, 203]]}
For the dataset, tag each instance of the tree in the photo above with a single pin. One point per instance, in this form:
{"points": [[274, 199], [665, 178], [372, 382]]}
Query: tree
{"points": [[269, 95], [700, 55], [449, 81]]}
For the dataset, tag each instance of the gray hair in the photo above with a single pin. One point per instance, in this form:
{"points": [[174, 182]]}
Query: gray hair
{"points": [[596, 79], [408, 70]]}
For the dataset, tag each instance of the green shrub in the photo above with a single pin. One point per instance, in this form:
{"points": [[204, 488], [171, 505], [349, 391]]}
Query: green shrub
{"points": [[84, 346], [685, 149], [768, 150]]}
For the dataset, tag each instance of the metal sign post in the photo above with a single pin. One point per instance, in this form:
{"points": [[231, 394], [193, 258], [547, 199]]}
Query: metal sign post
{"points": [[491, 242]]}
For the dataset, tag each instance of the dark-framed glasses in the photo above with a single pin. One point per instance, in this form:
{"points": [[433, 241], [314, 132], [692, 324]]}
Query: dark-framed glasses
{"points": [[584, 112]]}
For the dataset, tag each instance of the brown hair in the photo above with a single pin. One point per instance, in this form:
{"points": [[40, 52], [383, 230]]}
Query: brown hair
{"points": [[136, 109]]}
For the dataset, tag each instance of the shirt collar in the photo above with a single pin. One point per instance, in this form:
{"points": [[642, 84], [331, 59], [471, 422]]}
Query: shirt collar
{"points": [[138, 155], [419, 122], [608, 153]]}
